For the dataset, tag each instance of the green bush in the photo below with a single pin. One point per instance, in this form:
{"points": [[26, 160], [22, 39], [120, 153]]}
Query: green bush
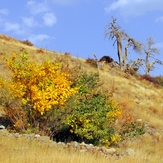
{"points": [[132, 129], [94, 113]]}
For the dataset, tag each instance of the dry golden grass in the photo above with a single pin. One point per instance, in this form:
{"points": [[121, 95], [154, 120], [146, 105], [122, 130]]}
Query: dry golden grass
{"points": [[22, 150], [141, 98], [144, 99]]}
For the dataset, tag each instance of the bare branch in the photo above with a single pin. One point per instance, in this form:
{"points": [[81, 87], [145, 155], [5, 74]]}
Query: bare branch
{"points": [[159, 62], [136, 45], [151, 49], [139, 62]]}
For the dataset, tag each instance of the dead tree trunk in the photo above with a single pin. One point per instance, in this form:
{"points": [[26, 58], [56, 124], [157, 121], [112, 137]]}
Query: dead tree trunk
{"points": [[119, 45], [125, 58]]}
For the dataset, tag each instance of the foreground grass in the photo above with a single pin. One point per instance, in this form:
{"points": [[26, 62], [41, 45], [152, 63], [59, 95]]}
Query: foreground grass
{"points": [[23, 150], [16, 150]]}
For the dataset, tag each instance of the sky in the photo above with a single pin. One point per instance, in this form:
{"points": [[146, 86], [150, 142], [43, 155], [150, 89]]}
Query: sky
{"points": [[79, 26]]}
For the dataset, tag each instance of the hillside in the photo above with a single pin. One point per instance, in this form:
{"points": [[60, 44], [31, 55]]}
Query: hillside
{"points": [[141, 98]]}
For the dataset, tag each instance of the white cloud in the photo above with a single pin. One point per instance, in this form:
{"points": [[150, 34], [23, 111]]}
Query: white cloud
{"points": [[11, 27], [40, 38], [30, 22], [36, 8], [159, 19], [134, 7], [63, 2], [49, 19], [4, 11], [14, 27]]}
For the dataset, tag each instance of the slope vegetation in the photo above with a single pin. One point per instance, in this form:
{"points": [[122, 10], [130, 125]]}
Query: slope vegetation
{"points": [[139, 97]]}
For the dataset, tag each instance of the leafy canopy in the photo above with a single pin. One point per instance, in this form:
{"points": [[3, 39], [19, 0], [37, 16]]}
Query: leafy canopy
{"points": [[40, 85]]}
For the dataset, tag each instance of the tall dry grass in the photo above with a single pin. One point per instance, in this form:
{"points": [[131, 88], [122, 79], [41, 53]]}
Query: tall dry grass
{"points": [[16, 150]]}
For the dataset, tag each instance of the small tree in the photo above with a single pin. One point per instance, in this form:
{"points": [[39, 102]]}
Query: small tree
{"points": [[94, 113], [38, 87], [150, 52]]}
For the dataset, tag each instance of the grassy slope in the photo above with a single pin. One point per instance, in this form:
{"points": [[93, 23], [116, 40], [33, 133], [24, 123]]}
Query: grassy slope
{"points": [[141, 98]]}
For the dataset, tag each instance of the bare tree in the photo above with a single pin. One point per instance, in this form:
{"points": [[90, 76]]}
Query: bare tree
{"points": [[136, 47], [150, 52], [114, 31], [136, 64]]}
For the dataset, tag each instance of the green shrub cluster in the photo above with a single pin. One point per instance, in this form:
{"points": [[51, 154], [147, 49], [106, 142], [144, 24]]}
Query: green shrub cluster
{"points": [[94, 113], [132, 129]]}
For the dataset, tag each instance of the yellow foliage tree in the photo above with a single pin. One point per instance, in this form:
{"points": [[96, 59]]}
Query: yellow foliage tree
{"points": [[40, 85]]}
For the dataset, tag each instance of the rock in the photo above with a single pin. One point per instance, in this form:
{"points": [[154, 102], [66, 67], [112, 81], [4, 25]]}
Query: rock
{"points": [[45, 139], [130, 152], [60, 143], [37, 136], [73, 144], [54, 142], [110, 151], [76, 144], [2, 127], [103, 149], [83, 144], [88, 146]]}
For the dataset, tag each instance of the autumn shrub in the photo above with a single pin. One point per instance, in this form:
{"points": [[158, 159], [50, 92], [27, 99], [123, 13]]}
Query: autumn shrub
{"points": [[151, 79], [40, 50], [11, 106], [91, 62], [159, 80], [41, 88], [26, 42], [94, 113], [131, 129], [128, 126]]}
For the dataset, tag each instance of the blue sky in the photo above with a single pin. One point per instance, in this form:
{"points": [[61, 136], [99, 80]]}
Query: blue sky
{"points": [[78, 26]]}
